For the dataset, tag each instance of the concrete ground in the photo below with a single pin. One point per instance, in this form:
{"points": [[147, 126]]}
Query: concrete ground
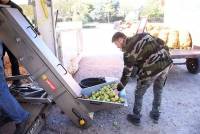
{"points": [[180, 104]]}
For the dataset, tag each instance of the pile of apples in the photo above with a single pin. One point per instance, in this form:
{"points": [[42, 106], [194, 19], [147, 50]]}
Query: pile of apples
{"points": [[107, 93]]}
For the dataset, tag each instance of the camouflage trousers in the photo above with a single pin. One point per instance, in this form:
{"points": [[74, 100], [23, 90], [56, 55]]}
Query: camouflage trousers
{"points": [[143, 84]]}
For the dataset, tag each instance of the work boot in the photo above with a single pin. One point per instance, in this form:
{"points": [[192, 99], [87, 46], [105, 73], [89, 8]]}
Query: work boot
{"points": [[154, 116], [20, 127], [134, 119]]}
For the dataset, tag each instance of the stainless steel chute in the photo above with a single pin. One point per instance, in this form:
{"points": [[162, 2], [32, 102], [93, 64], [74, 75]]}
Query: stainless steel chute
{"points": [[45, 68]]}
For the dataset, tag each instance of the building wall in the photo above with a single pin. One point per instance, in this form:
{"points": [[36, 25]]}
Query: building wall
{"points": [[184, 14]]}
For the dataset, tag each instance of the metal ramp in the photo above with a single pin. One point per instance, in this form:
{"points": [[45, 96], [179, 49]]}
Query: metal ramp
{"points": [[45, 68]]}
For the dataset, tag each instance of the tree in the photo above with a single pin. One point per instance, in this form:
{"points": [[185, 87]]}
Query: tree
{"points": [[153, 8], [74, 9], [86, 9], [127, 6], [111, 9], [64, 7], [105, 10]]}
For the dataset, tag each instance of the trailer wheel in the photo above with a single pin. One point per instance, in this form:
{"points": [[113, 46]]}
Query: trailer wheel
{"points": [[193, 65]]}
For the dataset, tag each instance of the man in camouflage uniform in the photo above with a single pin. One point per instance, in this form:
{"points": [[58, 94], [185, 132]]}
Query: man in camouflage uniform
{"points": [[149, 55]]}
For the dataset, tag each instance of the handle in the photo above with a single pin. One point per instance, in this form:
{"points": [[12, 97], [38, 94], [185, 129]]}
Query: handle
{"points": [[63, 68], [33, 30], [103, 78], [56, 20], [95, 103], [76, 113]]}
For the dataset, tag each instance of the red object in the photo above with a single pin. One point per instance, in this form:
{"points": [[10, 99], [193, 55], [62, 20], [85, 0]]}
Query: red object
{"points": [[51, 85]]}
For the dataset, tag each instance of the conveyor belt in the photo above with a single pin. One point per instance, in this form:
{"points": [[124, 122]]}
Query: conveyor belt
{"points": [[45, 68], [41, 63]]}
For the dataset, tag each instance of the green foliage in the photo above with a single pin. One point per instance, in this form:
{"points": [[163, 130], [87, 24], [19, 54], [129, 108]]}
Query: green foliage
{"points": [[101, 10], [65, 7], [73, 9], [127, 6], [108, 7], [87, 10], [152, 8], [106, 11], [28, 11]]}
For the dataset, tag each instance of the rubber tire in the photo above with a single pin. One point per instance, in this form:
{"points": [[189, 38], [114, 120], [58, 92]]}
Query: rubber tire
{"points": [[193, 65]]}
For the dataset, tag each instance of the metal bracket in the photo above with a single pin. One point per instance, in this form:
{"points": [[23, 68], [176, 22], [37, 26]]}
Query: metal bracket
{"points": [[31, 94], [32, 30], [63, 68]]}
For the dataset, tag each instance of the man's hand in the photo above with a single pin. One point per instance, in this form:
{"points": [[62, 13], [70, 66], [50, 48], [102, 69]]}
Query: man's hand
{"points": [[120, 87], [122, 93]]}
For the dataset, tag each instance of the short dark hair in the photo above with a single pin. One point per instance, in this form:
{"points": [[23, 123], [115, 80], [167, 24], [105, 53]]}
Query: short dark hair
{"points": [[118, 35]]}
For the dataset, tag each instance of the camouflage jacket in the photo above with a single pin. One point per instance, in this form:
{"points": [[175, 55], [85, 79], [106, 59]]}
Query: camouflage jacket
{"points": [[147, 53]]}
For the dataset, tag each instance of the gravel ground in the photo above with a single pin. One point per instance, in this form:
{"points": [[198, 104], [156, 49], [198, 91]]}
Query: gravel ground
{"points": [[180, 105]]}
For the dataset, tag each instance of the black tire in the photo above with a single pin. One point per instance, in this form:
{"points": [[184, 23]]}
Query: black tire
{"points": [[193, 65]]}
